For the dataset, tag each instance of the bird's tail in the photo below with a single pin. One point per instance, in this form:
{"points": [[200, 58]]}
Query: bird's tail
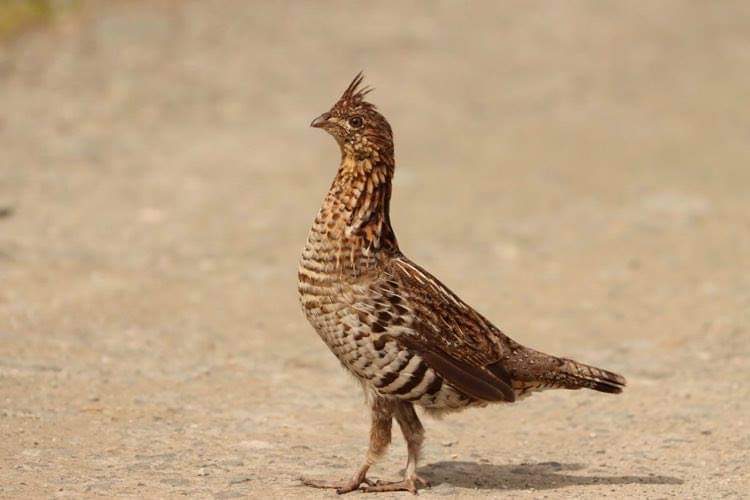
{"points": [[551, 371], [574, 375]]}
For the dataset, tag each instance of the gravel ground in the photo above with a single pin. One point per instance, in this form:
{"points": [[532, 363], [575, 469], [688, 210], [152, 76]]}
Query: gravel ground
{"points": [[577, 171]]}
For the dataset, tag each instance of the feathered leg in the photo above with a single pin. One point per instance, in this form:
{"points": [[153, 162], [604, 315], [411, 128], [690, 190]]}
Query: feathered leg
{"points": [[380, 438], [413, 433]]}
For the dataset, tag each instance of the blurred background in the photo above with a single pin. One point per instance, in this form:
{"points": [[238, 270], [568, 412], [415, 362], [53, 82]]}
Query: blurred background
{"points": [[578, 171]]}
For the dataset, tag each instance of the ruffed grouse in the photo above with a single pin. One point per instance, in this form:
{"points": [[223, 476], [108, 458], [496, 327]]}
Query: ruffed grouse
{"points": [[404, 335]]}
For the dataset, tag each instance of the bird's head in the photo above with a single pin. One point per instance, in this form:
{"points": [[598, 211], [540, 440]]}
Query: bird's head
{"points": [[359, 129]]}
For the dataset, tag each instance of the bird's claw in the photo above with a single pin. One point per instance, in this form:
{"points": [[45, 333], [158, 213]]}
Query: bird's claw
{"points": [[410, 484], [341, 487], [354, 485]]}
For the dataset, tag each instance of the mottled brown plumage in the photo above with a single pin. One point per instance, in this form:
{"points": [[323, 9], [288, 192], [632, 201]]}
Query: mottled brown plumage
{"points": [[403, 334]]}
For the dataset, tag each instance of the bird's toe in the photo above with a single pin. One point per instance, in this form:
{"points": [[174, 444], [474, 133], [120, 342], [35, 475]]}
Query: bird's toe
{"points": [[406, 484]]}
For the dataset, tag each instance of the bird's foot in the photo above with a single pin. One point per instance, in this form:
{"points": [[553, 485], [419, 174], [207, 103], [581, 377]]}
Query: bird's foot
{"points": [[410, 484], [340, 486]]}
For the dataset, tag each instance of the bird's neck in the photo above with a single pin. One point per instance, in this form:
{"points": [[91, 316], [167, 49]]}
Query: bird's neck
{"points": [[361, 195]]}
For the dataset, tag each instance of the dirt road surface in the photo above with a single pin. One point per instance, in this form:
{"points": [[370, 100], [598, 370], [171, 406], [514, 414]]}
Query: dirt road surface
{"points": [[577, 171]]}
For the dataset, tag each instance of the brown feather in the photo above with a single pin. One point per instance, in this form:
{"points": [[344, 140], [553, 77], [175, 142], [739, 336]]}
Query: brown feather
{"points": [[471, 380]]}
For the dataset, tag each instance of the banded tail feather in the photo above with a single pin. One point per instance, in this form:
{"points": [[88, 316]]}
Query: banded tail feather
{"points": [[529, 365], [578, 375]]}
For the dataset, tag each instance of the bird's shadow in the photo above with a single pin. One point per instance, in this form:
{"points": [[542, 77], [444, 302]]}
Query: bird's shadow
{"points": [[541, 476]]}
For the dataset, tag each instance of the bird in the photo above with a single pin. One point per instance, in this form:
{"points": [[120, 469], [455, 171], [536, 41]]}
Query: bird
{"points": [[405, 336]]}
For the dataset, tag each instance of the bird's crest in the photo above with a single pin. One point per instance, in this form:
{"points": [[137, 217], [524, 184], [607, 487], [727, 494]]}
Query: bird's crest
{"points": [[354, 96]]}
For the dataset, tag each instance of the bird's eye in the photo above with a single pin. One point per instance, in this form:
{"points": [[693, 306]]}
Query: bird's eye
{"points": [[355, 121]]}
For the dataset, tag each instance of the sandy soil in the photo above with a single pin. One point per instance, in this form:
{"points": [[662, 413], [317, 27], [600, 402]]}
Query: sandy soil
{"points": [[578, 171]]}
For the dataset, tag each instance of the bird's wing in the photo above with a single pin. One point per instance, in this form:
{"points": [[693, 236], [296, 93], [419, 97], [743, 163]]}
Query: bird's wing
{"points": [[425, 317]]}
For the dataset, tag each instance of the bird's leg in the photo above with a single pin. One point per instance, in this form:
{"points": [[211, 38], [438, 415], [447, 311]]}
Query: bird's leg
{"points": [[380, 438], [413, 433]]}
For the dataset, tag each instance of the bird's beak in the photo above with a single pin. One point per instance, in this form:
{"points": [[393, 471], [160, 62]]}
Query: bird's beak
{"points": [[320, 121]]}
